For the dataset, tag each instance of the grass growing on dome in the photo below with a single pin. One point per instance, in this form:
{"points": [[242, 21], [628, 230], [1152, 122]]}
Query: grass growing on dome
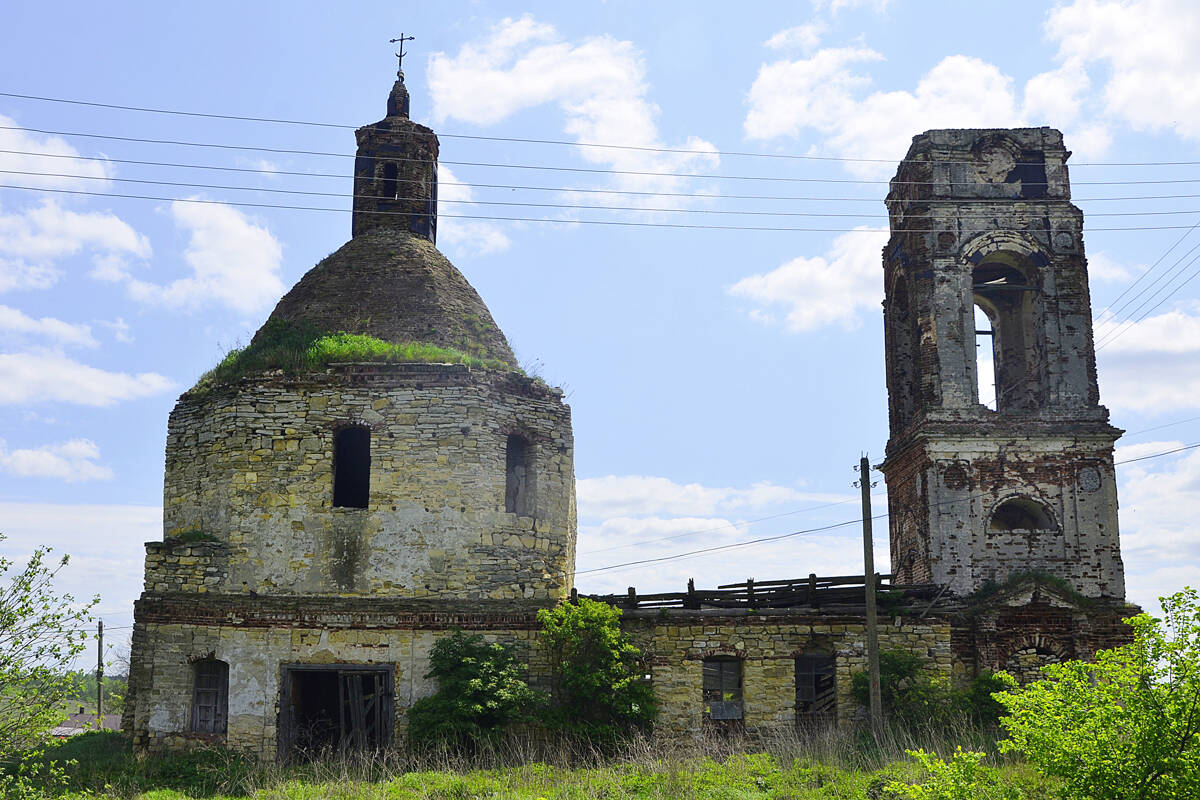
{"points": [[293, 350]]}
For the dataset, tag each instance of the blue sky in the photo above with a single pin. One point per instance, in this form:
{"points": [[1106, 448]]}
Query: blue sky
{"points": [[723, 382]]}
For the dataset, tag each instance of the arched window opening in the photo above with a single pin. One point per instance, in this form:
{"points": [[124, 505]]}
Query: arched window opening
{"points": [[985, 363], [1011, 303], [816, 688], [1021, 514], [722, 690], [210, 695], [351, 467], [518, 476], [391, 187]]}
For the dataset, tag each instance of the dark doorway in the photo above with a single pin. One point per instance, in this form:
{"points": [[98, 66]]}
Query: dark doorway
{"points": [[334, 709], [816, 689]]}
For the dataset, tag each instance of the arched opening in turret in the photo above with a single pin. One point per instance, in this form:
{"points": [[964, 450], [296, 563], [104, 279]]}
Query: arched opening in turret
{"points": [[351, 467], [518, 476], [1021, 514], [1005, 289], [985, 358], [390, 187]]}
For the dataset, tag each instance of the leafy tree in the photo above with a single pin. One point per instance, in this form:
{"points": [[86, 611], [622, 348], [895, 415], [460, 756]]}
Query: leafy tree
{"points": [[41, 633], [1126, 725], [597, 689], [481, 690]]}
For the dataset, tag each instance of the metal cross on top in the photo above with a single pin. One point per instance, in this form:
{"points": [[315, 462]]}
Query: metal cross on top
{"points": [[400, 55]]}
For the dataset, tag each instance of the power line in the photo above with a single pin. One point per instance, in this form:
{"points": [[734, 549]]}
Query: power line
{"points": [[1158, 455], [586, 170], [718, 528], [564, 142], [565, 189], [527, 204], [564, 221]]}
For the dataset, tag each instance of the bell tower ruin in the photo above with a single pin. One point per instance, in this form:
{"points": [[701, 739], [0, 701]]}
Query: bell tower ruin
{"points": [[982, 491]]}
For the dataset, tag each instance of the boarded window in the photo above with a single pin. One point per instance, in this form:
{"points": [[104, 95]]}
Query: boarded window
{"points": [[390, 188], [723, 688], [351, 467], [816, 688], [518, 476], [210, 695]]}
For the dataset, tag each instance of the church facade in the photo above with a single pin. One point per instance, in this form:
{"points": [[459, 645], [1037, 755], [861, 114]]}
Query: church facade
{"points": [[325, 524]]}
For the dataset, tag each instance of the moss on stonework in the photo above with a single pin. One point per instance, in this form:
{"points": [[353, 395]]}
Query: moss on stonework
{"points": [[294, 349], [191, 536], [990, 589]]}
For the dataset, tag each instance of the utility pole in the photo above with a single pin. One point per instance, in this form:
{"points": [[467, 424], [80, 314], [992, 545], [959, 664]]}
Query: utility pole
{"points": [[869, 578], [100, 672]]}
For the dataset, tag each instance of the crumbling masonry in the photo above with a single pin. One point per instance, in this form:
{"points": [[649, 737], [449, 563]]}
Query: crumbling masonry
{"points": [[322, 529]]}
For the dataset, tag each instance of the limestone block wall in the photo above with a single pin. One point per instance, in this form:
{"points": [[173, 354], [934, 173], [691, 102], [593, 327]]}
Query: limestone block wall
{"points": [[676, 643], [178, 565], [253, 467], [257, 639]]}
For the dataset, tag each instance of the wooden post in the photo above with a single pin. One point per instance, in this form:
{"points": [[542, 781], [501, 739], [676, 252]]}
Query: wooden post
{"points": [[691, 591], [750, 593], [869, 580], [574, 595], [631, 599], [100, 672]]}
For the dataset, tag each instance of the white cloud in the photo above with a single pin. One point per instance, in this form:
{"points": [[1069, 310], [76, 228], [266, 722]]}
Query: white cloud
{"points": [[1056, 97], [803, 37], [1158, 501], [34, 240], [49, 160], [234, 262], [1103, 267], [1151, 366], [41, 377], [71, 461], [834, 6], [46, 330], [624, 495], [822, 290], [468, 237], [105, 543], [1148, 51], [598, 84], [120, 329]]}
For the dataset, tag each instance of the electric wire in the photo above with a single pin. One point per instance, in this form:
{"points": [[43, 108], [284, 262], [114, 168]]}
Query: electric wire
{"points": [[586, 170], [563, 142], [268, 172], [562, 221], [528, 204]]}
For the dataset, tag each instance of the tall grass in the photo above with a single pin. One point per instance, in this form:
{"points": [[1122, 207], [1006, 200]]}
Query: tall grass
{"points": [[777, 764]]}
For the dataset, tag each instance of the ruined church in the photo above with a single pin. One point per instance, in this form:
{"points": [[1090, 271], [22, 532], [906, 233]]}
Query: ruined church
{"points": [[323, 527]]}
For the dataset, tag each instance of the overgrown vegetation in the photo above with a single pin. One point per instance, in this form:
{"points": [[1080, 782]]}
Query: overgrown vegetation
{"points": [[597, 688], [911, 696], [293, 349], [1125, 725], [84, 693], [481, 691], [41, 633]]}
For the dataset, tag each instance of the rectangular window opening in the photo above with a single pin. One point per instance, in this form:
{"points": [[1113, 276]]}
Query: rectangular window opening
{"points": [[722, 693], [352, 467], [816, 689]]}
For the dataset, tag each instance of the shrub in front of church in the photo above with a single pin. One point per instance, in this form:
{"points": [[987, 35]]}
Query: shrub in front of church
{"points": [[911, 697], [597, 688], [481, 691]]}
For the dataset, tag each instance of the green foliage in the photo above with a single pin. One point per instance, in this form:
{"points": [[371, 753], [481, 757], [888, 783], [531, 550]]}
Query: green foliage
{"points": [[1125, 726], [597, 688], [912, 697], [192, 535], [481, 690], [293, 349], [41, 633], [84, 694], [963, 777]]}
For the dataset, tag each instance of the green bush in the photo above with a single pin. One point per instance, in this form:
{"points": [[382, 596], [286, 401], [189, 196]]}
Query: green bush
{"points": [[1124, 726], [963, 777], [597, 687], [481, 691], [912, 697]]}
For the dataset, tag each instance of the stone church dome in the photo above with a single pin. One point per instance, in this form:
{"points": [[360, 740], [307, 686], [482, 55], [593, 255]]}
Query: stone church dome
{"points": [[393, 285]]}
